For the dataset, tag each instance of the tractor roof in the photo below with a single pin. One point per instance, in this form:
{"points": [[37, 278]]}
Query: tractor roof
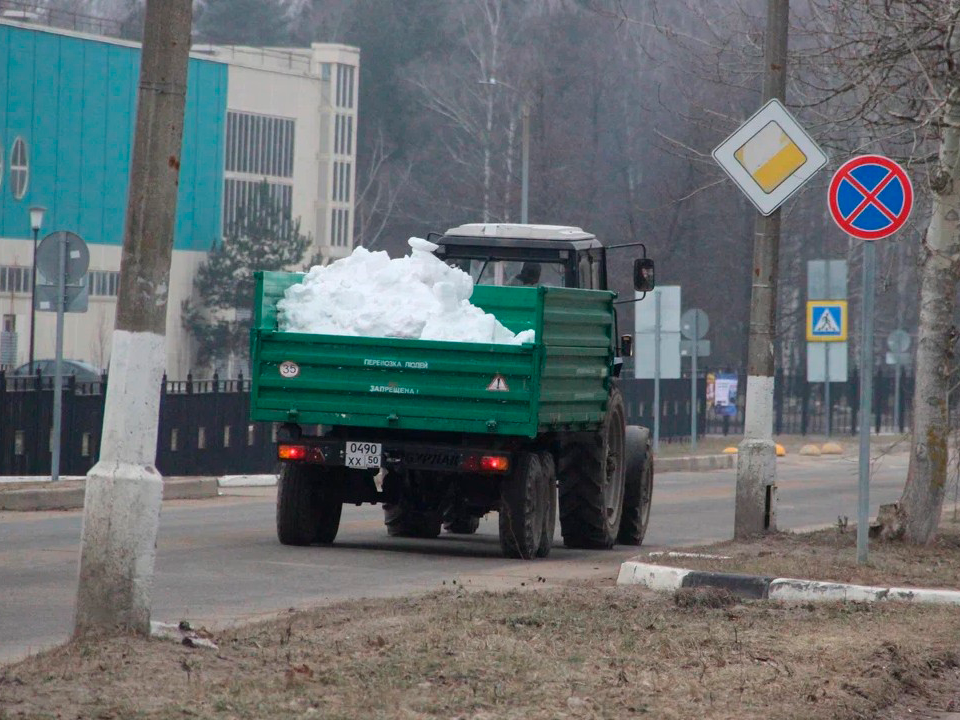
{"points": [[517, 235]]}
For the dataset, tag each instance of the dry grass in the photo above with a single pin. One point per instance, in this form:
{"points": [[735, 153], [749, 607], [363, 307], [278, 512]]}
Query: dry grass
{"points": [[577, 653]]}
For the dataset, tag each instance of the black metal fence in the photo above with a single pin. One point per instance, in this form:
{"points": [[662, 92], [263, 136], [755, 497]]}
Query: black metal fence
{"points": [[799, 406], [203, 428]]}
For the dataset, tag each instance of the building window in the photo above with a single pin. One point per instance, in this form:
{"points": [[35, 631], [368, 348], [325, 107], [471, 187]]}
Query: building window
{"points": [[240, 194], [339, 227], [260, 144], [14, 279], [19, 169], [104, 283], [345, 74]]}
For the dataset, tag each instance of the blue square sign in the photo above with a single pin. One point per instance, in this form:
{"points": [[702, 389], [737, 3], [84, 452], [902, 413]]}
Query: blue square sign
{"points": [[826, 320]]}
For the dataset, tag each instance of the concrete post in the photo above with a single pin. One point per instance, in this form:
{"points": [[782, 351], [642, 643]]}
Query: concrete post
{"points": [[124, 489], [756, 463]]}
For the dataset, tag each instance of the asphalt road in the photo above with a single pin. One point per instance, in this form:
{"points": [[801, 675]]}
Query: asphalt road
{"points": [[219, 561]]}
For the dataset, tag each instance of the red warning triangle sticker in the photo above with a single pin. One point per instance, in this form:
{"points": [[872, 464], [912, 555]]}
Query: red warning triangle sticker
{"points": [[498, 384]]}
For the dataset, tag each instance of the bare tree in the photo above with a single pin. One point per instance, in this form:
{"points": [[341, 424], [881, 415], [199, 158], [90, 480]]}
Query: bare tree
{"points": [[381, 185], [886, 71]]}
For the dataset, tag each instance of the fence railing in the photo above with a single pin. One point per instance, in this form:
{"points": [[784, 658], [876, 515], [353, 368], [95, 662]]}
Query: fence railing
{"points": [[203, 430], [204, 427], [799, 406]]}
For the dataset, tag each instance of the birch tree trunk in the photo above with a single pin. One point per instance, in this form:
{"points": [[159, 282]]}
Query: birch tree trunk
{"points": [[921, 504]]}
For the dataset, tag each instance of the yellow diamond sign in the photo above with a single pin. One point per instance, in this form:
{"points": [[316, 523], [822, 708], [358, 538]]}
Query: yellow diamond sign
{"points": [[769, 157]]}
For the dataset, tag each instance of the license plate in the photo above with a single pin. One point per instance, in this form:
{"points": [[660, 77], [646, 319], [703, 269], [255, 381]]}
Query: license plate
{"points": [[363, 455]]}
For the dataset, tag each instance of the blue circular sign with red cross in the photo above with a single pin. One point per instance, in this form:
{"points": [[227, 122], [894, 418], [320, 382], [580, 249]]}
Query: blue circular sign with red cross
{"points": [[870, 197]]}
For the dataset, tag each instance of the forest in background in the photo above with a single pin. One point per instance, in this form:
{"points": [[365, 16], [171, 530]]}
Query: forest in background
{"points": [[627, 99]]}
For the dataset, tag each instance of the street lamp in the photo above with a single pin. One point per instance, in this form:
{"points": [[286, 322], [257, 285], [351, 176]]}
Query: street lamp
{"points": [[525, 145], [36, 222]]}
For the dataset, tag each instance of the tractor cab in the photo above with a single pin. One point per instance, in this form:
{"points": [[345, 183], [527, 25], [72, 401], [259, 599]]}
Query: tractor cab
{"points": [[552, 255]]}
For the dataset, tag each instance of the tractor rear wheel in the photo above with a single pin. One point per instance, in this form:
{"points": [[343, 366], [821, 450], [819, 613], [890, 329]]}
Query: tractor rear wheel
{"points": [[308, 505], [591, 479], [522, 510], [638, 488]]}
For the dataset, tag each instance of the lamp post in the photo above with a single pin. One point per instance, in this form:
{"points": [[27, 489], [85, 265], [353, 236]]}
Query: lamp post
{"points": [[525, 145], [36, 222]]}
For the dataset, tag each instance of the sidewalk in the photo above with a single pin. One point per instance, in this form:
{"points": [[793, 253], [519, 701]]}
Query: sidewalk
{"points": [[31, 494]]}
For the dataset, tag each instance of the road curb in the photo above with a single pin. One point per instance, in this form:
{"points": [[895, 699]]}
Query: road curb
{"points": [[71, 498], [267, 480], [759, 587], [694, 463]]}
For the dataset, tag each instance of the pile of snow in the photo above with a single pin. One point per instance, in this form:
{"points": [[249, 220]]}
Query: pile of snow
{"points": [[368, 294]]}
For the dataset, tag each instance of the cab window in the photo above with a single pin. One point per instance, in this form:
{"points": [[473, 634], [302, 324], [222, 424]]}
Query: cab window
{"points": [[513, 272], [589, 271]]}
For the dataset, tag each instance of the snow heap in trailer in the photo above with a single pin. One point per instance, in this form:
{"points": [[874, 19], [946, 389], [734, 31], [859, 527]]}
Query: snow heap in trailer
{"points": [[368, 294]]}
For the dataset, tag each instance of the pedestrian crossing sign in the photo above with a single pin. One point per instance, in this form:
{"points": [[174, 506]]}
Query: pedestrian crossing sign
{"points": [[826, 320]]}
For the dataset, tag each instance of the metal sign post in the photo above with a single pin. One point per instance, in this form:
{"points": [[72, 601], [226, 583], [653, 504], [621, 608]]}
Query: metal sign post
{"points": [[693, 385], [870, 198], [826, 389], [866, 396], [827, 328], [62, 258], [656, 372], [694, 325], [58, 364], [657, 348]]}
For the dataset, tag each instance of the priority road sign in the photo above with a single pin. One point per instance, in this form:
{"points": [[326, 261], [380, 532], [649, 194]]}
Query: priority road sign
{"points": [[770, 157], [826, 320], [870, 197]]}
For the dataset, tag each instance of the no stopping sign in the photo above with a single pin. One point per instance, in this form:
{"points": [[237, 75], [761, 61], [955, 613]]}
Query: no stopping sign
{"points": [[870, 197]]}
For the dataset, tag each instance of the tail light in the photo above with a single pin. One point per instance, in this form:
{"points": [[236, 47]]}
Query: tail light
{"points": [[292, 452], [495, 463]]}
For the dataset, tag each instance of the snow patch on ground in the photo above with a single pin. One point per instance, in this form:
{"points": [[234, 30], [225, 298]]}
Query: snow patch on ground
{"points": [[368, 294]]}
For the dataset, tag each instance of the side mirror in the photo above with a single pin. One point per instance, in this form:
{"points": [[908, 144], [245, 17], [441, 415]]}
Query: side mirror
{"points": [[644, 275], [626, 346]]}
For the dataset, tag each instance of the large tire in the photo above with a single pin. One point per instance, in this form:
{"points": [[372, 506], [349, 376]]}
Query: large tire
{"points": [[591, 474], [638, 487], [308, 507], [522, 508], [550, 504]]}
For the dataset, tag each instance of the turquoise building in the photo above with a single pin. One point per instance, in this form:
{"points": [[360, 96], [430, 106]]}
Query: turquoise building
{"points": [[68, 102], [67, 112]]}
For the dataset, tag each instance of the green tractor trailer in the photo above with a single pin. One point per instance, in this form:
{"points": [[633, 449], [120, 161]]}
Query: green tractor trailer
{"points": [[442, 433]]}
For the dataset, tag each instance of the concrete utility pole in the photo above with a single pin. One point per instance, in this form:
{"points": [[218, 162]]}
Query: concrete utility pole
{"points": [[757, 458], [124, 490]]}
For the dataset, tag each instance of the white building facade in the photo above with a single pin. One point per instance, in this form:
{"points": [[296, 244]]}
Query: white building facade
{"points": [[289, 117]]}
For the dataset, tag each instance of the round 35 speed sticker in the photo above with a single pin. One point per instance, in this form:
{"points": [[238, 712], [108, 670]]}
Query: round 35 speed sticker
{"points": [[289, 369]]}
